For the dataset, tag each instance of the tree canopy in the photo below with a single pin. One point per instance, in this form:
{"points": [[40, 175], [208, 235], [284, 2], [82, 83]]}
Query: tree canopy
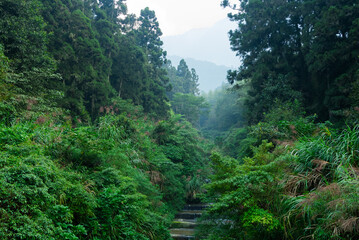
{"points": [[296, 49]]}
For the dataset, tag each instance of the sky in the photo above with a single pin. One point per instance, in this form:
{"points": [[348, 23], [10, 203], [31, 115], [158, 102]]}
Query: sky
{"points": [[179, 16]]}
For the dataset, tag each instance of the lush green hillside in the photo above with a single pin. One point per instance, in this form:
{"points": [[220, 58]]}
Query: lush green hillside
{"points": [[286, 164], [102, 138], [89, 147], [121, 178], [287, 178]]}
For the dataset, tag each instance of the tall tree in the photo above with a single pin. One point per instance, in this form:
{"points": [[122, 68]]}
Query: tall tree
{"points": [[81, 60], [184, 95], [332, 54], [23, 36], [189, 106], [266, 40], [294, 49], [182, 80], [189, 78], [129, 71], [148, 36]]}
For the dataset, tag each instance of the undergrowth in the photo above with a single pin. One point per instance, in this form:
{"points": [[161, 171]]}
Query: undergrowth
{"points": [[123, 177], [297, 180]]}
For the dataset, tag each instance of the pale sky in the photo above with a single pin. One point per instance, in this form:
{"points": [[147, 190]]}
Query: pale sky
{"points": [[179, 16]]}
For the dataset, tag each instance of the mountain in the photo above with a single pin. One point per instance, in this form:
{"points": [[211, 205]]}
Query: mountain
{"points": [[206, 44], [211, 76]]}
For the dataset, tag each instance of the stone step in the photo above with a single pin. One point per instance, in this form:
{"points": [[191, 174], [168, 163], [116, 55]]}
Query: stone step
{"points": [[182, 233], [189, 214], [184, 223], [195, 206], [191, 211], [181, 237], [183, 226]]}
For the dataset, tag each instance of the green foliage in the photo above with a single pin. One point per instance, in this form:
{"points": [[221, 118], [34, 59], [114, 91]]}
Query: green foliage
{"points": [[226, 110], [182, 79], [296, 50], [120, 212], [24, 39], [259, 223], [189, 106], [82, 44], [148, 36], [64, 64], [27, 71], [320, 189], [283, 122], [4, 64], [111, 180], [181, 143], [286, 177], [302, 186], [261, 155], [80, 147], [236, 143], [6, 111], [30, 186], [23, 35], [242, 195], [184, 92]]}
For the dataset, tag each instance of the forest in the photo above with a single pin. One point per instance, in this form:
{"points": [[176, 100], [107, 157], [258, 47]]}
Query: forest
{"points": [[101, 137]]}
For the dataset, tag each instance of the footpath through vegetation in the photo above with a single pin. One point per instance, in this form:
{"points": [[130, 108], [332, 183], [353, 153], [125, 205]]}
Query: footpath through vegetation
{"points": [[287, 162], [102, 138]]}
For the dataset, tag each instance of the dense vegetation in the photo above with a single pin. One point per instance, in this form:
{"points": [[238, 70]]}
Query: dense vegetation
{"points": [[93, 47], [120, 179], [303, 50], [184, 96], [89, 147], [98, 131], [286, 164]]}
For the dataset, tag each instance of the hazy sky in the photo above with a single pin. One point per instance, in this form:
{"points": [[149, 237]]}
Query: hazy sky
{"points": [[179, 16]]}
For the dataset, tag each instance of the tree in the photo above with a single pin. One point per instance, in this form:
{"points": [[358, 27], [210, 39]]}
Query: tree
{"points": [[189, 106], [182, 79], [189, 78], [224, 111], [332, 54], [267, 41], [4, 64], [80, 56], [22, 32], [184, 93], [148, 36], [305, 45], [23, 35]]}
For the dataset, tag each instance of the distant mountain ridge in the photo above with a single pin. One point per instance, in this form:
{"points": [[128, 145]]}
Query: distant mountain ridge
{"points": [[206, 44], [211, 76]]}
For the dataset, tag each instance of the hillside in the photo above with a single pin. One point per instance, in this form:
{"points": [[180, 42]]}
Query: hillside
{"points": [[102, 138]]}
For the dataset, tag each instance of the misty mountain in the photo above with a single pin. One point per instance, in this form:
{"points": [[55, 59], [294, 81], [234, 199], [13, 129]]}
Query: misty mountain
{"points": [[206, 44], [211, 76]]}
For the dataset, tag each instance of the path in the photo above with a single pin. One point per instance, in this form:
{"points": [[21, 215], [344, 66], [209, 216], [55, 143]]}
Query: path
{"points": [[183, 226]]}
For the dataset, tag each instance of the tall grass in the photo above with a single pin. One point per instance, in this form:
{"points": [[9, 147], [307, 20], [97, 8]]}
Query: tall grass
{"points": [[323, 190]]}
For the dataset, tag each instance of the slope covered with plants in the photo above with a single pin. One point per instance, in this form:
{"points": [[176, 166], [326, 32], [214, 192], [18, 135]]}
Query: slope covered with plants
{"points": [[121, 178], [289, 168], [89, 147], [98, 137]]}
